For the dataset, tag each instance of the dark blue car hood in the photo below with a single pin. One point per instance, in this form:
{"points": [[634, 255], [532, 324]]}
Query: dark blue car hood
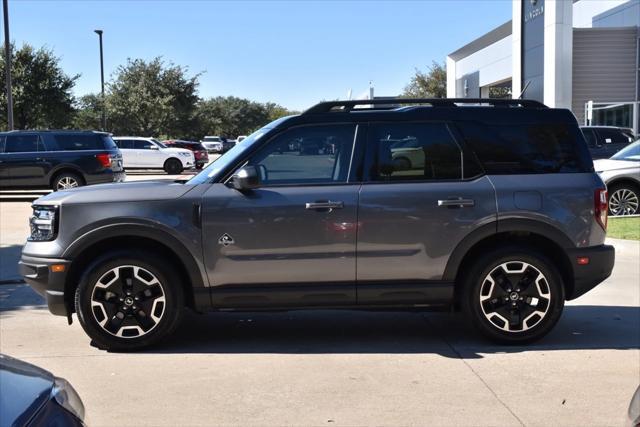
{"points": [[23, 389]]}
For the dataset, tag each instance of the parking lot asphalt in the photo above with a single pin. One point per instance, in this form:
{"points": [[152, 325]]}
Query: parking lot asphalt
{"points": [[340, 367]]}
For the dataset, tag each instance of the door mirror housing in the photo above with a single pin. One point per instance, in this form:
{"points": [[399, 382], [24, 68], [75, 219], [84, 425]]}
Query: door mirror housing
{"points": [[153, 147], [247, 178]]}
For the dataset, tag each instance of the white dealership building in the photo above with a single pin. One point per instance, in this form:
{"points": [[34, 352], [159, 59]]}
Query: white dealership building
{"points": [[577, 54]]}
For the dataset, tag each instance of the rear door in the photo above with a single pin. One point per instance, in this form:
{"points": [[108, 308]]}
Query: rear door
{"points": [[24, 158], [420, 198], [291, 242]]}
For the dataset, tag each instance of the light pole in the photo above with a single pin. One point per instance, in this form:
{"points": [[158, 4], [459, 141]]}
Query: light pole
{"points": [[7, 61], [104, 119]]}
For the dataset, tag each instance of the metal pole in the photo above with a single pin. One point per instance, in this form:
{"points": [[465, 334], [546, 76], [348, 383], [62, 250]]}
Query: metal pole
{"points": [[104, 119], [7, 56]]}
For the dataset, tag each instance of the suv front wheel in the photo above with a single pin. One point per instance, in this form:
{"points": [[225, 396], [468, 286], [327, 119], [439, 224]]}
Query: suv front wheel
{"points": [[513, 295], [126, 301]]}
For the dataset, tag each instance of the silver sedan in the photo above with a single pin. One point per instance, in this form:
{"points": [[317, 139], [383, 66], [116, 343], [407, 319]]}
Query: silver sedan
{"points": [[621, 173]]}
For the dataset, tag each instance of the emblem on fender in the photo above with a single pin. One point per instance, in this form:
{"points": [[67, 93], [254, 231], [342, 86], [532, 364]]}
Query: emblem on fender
{"points": [[226, 240]]}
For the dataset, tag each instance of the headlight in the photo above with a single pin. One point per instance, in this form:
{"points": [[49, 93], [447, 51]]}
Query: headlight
{"points": [[43, 223], [67, 397]]}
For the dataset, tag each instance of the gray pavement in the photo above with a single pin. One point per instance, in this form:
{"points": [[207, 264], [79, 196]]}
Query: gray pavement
{"points": [[341, 367]]}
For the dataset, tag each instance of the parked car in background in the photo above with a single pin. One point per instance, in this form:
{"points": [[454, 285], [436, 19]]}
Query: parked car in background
{"points": [[621, 173], [213, 144], [59, 160], [149, 153], [633, 413], [227, 144], [505, 221], [199, 151], [31, 396], [240, 138], [605, 141]]}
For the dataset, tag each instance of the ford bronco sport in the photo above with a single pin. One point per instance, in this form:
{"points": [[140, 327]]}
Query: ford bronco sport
{"points": [[491, 207]]}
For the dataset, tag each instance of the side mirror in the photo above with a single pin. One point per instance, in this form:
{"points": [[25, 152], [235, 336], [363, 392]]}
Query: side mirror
{"points": [[154, 147], [247, 178]]}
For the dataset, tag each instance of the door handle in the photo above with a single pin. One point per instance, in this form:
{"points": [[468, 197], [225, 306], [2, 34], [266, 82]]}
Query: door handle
{"points": [[324, 205], [458, 202]]}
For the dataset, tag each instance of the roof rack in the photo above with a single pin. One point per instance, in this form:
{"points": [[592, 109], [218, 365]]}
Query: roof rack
{"points": [[392, 103]]}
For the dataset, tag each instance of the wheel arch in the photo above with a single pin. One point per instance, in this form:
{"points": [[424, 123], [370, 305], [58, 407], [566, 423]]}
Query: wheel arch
{"points": [[542, 237], [144, 238], [57, 171], [623, 180]]}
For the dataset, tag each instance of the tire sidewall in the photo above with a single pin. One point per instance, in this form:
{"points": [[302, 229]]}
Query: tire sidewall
{"points": [[173, 166], [173, 301], [471, 299]]}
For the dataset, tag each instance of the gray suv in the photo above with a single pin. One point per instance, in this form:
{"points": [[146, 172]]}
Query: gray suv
{"points": [[490, 207]]}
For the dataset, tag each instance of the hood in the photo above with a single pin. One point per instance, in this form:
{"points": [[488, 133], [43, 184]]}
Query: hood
{"points": [[136, 191], [23, 389], [609, 164]]}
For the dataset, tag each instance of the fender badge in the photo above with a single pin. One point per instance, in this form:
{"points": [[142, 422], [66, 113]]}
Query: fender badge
{"points": [[226, 240]]}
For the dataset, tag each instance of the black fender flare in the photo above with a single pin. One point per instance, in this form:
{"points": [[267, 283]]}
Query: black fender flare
{"points": [[543, 229]]}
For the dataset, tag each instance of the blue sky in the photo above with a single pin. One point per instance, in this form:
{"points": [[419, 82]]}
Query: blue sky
{"points": [[294, 53]]}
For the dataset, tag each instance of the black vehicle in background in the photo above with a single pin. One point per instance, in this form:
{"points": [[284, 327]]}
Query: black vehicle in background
{"points": [[31, 396], [227, 144], [605, 141], [58, 159]]}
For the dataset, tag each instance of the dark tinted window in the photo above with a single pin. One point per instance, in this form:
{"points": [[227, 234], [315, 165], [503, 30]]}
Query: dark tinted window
{"points": [[307, 155], [527, 148], [590, 137], [109, 143], [23, 144], [124, 143], [139, 144], [2, 139], [413, 151], [73, 142], [612, 136]]}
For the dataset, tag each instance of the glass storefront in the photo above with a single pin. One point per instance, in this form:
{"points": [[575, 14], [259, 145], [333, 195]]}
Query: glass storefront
{"points": [[615, 114]]}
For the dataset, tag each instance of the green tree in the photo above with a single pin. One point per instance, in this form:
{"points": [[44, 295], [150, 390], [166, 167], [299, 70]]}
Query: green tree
{"points": [[152, 98], [42, 92], [88, 112], [275, 111], [231, 116], [430, 84]]}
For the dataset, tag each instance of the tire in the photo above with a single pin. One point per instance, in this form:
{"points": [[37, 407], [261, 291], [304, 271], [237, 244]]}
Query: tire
{"points": [[173, 166], [66, 181], [129, 314], [624, 199], [507, 315]]}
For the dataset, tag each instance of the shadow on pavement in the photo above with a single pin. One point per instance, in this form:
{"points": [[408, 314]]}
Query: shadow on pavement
{"points": [[19, 297], [326, 332], [9, 257]]}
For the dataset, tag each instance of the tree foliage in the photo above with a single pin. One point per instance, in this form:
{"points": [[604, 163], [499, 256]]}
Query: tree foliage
{"points": [[42, 92], [151, 98], [430, 84]]}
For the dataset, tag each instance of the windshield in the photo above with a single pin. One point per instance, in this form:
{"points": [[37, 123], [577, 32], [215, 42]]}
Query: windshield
{"points": [[630, 152], [159, 143]]}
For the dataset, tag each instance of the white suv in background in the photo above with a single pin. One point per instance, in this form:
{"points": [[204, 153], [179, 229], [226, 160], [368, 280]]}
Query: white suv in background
{"points": [[149, 153], [213, 144]]}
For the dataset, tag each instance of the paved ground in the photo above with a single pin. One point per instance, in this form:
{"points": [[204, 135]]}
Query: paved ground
{"points": [[341, 368]]}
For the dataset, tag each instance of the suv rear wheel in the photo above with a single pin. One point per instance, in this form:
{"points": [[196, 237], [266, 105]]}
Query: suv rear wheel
{"points": [[513, 295], [126, 301], [66, 181], [173, 166]]}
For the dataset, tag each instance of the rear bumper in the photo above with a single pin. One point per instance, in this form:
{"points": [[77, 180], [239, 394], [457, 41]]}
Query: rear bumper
{"points": [[586, 277], [37, 273]]}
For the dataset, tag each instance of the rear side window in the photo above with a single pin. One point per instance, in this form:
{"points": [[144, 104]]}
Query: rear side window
{"points": [[75, 142], [613, 136], [23, 144], [413, 152], [527, 148]]}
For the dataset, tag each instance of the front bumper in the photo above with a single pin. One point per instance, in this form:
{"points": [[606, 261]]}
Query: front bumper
{"points": [[586, 277], [38, 274]]}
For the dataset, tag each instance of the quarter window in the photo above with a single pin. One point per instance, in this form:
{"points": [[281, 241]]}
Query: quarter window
{"points": [[307, 155], [23, 144], [414, 152], [73, 142]]}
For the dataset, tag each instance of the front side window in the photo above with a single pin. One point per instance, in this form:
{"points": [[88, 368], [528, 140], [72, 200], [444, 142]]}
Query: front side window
{"points": [[23, 144], [139, 144], [307, 155], [413, 152], [613, 136]]}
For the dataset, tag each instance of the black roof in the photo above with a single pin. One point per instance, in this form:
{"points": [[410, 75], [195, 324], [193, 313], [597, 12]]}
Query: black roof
{"points": [[54, 130]]}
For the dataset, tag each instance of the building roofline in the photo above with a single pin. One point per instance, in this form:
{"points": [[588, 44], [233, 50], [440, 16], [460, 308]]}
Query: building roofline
{"points": [[481, 42]]}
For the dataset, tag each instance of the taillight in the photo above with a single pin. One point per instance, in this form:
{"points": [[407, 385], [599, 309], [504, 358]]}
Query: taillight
{"points": [[104, 159], [601, 207]]}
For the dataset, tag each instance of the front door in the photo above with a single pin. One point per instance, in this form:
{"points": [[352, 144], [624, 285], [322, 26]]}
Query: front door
{"points": [[417, 204], [291, 242]]}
